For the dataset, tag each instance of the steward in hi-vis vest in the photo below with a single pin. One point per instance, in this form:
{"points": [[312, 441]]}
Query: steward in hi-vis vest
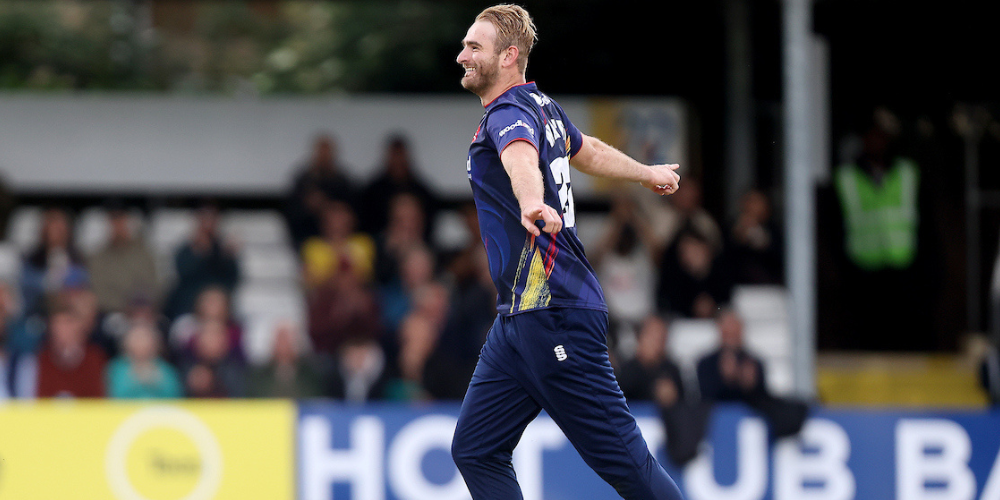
{"points": [[880, 218]]}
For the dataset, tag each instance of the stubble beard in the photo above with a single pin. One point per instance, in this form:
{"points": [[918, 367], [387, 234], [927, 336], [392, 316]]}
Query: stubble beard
{"points": [[484, 76]]}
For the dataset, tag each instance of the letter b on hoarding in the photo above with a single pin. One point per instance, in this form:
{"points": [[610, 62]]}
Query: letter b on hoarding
{"points": [[932, 461], [819, 475]]}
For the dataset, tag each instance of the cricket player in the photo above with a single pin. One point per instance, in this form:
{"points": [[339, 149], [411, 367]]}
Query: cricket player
{"points": [[547, 348]]}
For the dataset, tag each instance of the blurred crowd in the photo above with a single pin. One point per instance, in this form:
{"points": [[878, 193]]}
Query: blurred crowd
{"points": [[390, 314]]}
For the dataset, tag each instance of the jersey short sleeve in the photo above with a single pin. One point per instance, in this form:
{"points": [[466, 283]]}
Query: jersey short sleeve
{"points": [[575, 138], [507, 124]]}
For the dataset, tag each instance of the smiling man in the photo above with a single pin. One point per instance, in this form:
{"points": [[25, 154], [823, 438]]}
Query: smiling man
{"points": [[547, 348]]}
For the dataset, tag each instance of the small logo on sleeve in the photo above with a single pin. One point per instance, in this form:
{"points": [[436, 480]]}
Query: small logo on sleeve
{"points": [[560, 353], [516, 124]]}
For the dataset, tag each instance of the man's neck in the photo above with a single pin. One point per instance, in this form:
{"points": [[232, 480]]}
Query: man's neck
{"points": [[501, 86]]}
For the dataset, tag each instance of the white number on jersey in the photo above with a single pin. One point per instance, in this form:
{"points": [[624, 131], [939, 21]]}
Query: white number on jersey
{"points": [[560, 172]]}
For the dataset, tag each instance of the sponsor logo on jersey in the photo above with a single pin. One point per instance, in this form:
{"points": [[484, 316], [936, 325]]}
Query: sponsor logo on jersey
{"points": [[542, 100], [516, 124]]}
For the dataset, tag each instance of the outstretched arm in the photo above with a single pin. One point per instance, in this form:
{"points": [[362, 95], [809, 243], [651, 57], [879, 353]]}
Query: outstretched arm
{"points": [[600, 159], [520, 160]]}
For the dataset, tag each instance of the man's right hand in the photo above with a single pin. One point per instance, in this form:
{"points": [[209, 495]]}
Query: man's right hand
{"points": [[544, 213], [663, 179]]}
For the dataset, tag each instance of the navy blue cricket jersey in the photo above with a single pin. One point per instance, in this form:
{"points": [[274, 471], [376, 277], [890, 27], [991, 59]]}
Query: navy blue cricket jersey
{"points": [[530, 272]]}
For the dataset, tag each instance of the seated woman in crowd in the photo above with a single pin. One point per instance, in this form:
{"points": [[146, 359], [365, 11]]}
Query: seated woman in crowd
{"points": [[339, 249], [210, 366], [53, 264], [290, 373], [212, 306], [141, 371]]}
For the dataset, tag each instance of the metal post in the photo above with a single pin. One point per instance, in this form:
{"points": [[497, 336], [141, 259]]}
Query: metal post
{"points": [[973, 265], [739, 147], [971, 123], [800, 197]]}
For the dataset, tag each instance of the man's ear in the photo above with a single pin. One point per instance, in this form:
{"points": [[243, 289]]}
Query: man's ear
{"points": [[510, 56]]}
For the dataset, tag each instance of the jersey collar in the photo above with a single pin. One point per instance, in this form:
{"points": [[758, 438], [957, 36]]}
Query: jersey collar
{"points": [[508, 89]]}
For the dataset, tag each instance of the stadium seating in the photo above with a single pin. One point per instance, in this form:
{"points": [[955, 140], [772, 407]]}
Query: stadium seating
{"points": [[254, 227], [23, 227], [261, 306], [766, 334], [10, 262], [93, 228]]}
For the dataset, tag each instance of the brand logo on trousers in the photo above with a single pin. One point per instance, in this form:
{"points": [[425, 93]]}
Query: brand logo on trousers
{"points": [[560, 352]]}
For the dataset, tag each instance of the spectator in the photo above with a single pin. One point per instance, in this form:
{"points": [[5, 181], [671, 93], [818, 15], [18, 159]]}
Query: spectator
{"points": [[140, 310], [212, 306], [397, 297], [124, 268], [754, 246], [54, 264], [732, 373], [421, 375], [203, 261], [397, 176], [68, 366], [210, 367], [405, 230], [342, 307], [8, 317], [290, 373], [669, 216], [650, 375], [359, 374], [341, 249], [141, 372], [83, 301], [322, 178], [692, 281], [471, 307], [21, 334], [889, 263], [626, 269]]}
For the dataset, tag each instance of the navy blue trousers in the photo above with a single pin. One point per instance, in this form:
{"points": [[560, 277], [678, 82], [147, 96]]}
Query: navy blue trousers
{"points": [[556, 359]]}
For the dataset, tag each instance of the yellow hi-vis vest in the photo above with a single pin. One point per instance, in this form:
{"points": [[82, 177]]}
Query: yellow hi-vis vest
{"points": [[880, 220]]}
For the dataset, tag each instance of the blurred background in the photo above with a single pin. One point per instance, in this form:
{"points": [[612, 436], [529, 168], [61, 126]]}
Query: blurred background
{"points": [[266, 199]]}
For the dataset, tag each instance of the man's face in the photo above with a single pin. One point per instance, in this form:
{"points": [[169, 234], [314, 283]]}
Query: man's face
{"points": [[730, 330], [65, 331], [479, 58], [120, 230]]}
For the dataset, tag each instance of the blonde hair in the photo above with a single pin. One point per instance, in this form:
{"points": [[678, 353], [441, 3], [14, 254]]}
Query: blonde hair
{"points": [[514, 28]]}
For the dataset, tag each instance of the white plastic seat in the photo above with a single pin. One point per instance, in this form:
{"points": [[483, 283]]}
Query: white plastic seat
{"points": [[254, 227], [258, 337], [93, 228], [689, 341], [590, 228], [168, 229], [271, 263], [692, 339], [10, 262], [261, 306], [274, 300], [768, 339], [761, 302], [24, 227], [450, 232]]}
